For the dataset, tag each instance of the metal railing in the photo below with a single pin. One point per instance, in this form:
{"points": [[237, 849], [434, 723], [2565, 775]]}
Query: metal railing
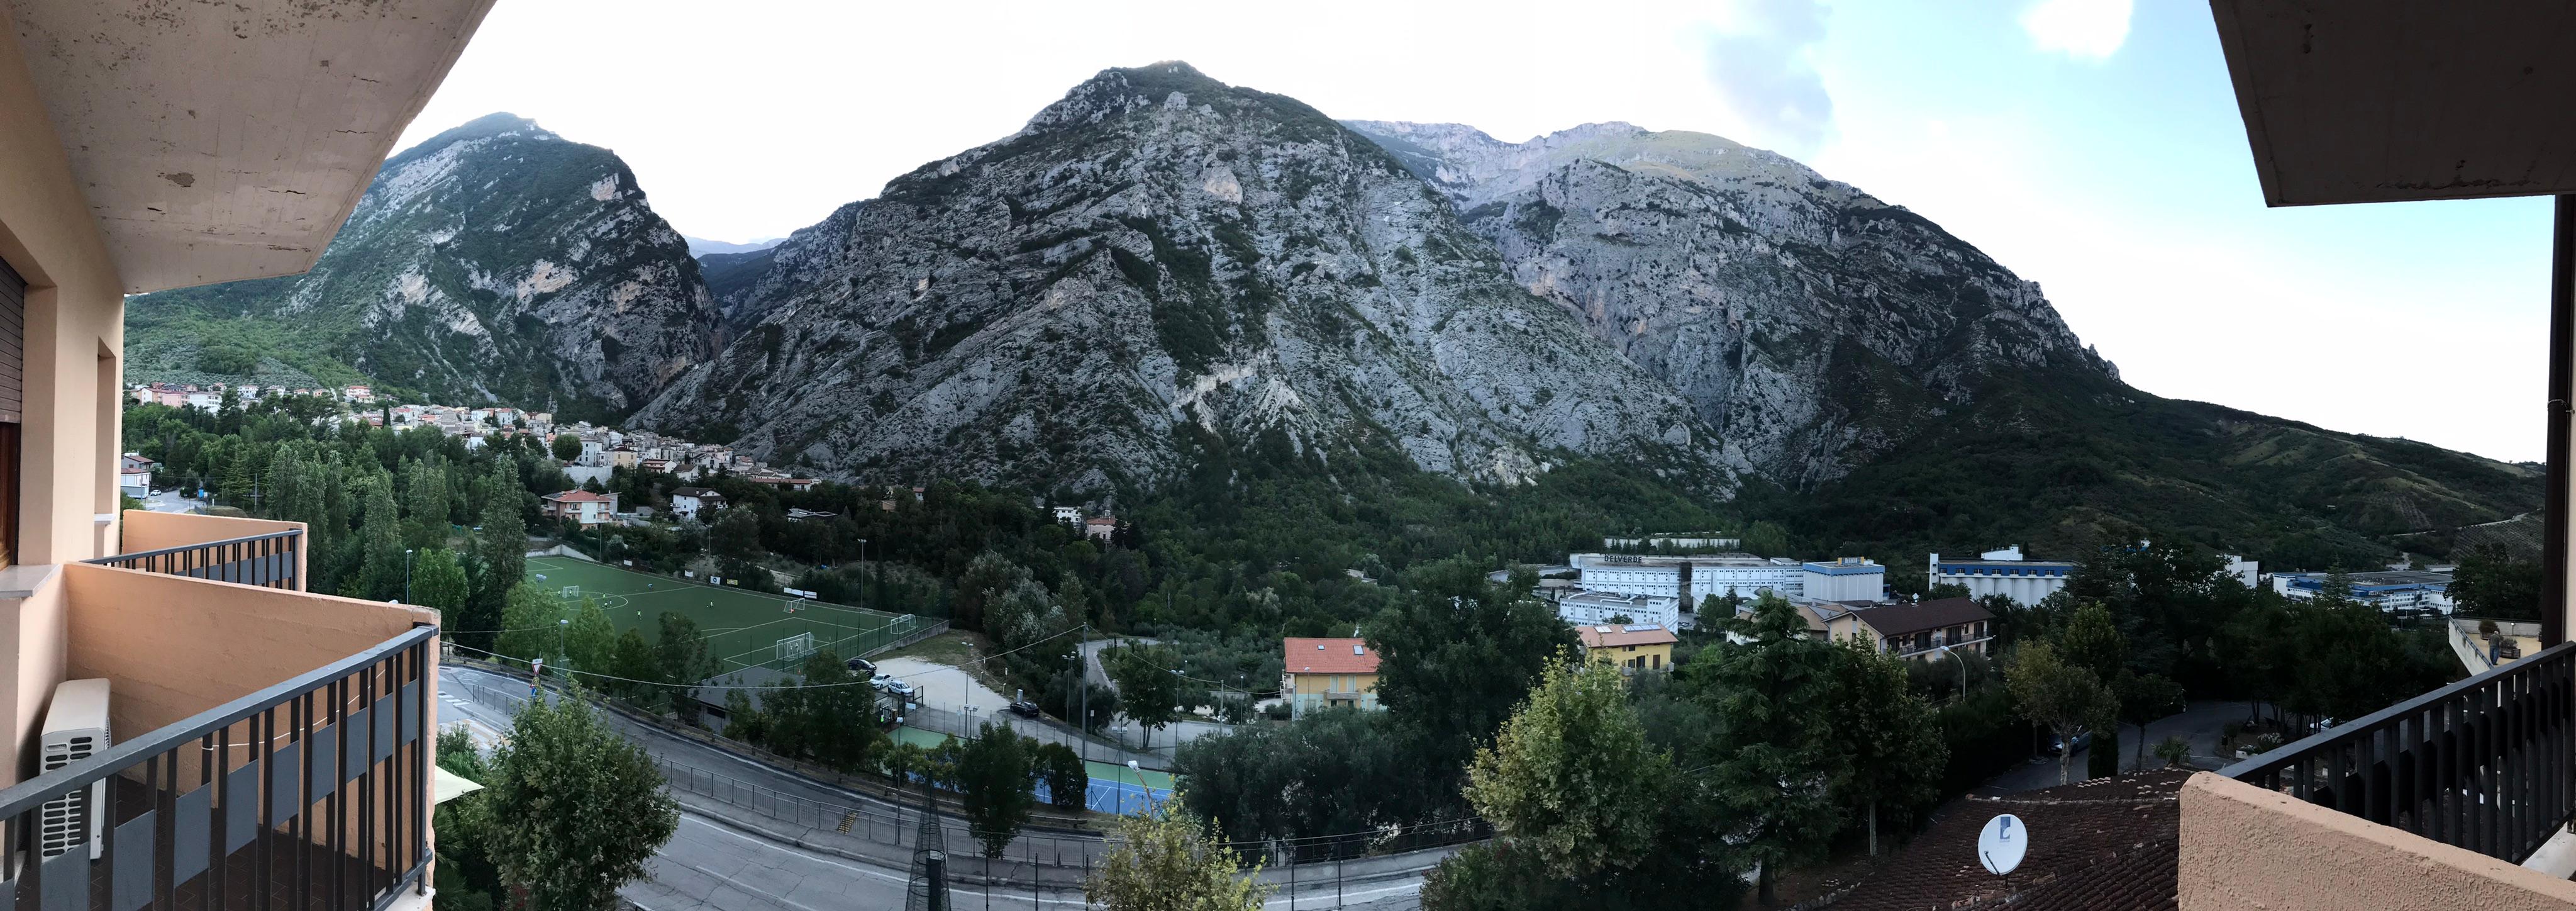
{"points": [[268, 560], [2483, 764], [313, 793]]}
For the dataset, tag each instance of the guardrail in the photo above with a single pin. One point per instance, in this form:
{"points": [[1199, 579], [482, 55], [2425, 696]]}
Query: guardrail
{"points": [[2483, 764], [313, 793], [270, 560]]}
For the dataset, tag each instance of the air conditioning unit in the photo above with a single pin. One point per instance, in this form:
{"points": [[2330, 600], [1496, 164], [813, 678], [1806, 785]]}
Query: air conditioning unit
{"points": [[75, 730]]}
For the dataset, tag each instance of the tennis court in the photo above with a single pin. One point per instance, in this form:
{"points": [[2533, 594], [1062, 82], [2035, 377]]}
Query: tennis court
{"points": [[1114, 788], [743, 628]]}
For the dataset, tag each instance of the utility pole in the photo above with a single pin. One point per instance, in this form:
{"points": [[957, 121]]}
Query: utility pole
{"points": [[1082, 684]]}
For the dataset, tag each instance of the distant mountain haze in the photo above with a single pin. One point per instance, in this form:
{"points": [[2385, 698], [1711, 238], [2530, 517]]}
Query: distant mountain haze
{"points": [[702, 247], [1160, 268]]}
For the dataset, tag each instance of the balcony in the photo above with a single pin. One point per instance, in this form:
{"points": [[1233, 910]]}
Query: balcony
{"points": [[270, 745], [2466, 790], [246, 551]]}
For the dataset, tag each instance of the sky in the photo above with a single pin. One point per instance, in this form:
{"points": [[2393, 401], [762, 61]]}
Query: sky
{"points": [[2092, 146]]}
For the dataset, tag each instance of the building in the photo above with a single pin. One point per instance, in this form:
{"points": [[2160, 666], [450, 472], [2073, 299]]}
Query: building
{"points": [[1069, 515], [1100, 528], [1692, 578], [2105, 844], [2002, 571], [360, 395], [1682, 541], [134, 475], [1843, 579], [2244, 570], [1910, 628], [141, 156], [1328, 673], [799, 514], [1633, 647], [2400, 591], [621, 457], [1597, 608], [795, 484], [690, 502], [581, 507]]}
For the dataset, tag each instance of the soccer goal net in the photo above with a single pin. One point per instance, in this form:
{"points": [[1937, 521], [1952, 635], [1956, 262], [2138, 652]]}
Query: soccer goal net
{"points": [[794, 649], [571, 592]]}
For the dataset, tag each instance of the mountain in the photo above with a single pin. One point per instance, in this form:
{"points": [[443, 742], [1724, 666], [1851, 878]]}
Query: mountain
{"points": [[1889, 383], [1162, 274], [1158, 264], [701, 247], [495, 262]]}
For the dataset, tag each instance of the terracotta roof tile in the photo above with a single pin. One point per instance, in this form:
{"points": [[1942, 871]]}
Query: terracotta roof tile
{"points": [[1329, 656]]}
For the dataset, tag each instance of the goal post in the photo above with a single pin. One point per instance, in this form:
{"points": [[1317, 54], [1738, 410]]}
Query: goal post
{"points": [[571, 593], [793, 649]]}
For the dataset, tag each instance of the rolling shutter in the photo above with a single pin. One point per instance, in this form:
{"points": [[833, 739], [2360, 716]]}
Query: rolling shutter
{"points": [[13, 345]]}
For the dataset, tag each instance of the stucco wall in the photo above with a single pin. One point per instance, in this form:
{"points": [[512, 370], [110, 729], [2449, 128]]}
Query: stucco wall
{"points": [[75, 313], [2245, 847], [31, 634]]}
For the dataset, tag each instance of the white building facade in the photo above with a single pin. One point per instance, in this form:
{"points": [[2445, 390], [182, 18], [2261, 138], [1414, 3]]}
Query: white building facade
{"points": [[2003, 571], [1596, 608], [1844, 579], [2395, 591], [1697, 577]]}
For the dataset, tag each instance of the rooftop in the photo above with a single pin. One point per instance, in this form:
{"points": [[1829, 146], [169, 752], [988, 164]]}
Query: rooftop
{"points": [[1728, 558], [1632, 634], [579, 496], [1329, 656], [1914, 617], [2110, 844], [2383, 577]]}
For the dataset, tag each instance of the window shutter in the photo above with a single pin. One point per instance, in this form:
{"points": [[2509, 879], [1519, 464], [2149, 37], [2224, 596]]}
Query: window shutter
{"points": [[13, 345]]}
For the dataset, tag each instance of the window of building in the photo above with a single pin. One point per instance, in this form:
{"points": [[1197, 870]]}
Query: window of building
{"points": [[13, 345]]}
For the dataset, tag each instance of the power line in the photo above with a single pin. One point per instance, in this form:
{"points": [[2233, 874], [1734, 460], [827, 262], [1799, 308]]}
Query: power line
{"points": [[692, 686]]}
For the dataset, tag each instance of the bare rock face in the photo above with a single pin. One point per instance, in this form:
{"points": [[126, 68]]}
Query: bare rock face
{"points": [[1159, 269], [1816, 327], [495, 262]]}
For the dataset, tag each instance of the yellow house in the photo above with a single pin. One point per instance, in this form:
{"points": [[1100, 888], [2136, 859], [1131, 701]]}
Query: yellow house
{"points": [[1636, 647], [1327, 673]]}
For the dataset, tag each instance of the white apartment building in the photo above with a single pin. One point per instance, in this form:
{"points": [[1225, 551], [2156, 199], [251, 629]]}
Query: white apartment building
{"points": [[1696, 576], [2393, 590], [2003, 571], [1596, 608], [1844, 579]]}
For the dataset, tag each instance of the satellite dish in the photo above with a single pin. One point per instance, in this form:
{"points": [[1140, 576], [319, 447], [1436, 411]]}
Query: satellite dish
{"points": [[2002, 844]]}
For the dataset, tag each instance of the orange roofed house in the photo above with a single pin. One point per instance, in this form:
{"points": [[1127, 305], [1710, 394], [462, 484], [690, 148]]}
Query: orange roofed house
{"points": [[581, 507], [1325, 673], [168, 676], [1634, 647]]}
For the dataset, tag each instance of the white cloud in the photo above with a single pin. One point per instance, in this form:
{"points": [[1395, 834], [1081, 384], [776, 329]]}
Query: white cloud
{"points": [[2082, 29]]}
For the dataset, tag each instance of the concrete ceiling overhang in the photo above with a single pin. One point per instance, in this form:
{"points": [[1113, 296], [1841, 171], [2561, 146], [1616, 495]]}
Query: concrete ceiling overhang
{"points": [[2393, 100], [224, 141]]}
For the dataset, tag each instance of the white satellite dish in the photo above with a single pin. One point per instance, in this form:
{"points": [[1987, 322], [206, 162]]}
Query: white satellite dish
{"points": [[2001, 846]]}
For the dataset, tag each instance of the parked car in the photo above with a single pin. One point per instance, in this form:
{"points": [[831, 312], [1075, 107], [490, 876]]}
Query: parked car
{"points": [[862, 666], [899, 688], [1024, 709], [2057, 745], [881, 681]]}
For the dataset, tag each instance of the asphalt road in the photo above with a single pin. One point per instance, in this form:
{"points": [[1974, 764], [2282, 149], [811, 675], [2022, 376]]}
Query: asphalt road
{"points": [[720, 859], [2199, 723]]}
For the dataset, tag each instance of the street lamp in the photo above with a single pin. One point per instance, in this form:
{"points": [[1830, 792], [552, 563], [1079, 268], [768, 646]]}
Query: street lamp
{"points": [[1140, 784], [1963, 669], [406, 575]]}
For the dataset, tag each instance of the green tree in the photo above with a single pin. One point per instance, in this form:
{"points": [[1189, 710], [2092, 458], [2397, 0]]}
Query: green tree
{"points": [[2175, 751], [2492, 582], [1570, 778], [1775, 758], [380, 543], [1766, 539], [566, 447], [1893, 753], [2061, 694], [1458, 655], [438, 583], [1067, 777], [1147, 686], [631, 661], [590, 641], [2145, 698], [995, 774], [1173, 862], [528, 625], [500, 548], [587, 807], [680, 656]]}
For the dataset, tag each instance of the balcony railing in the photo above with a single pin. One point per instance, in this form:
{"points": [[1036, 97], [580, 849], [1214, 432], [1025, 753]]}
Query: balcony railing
{"points": [[2483, 764], [270, 560], [310, 794]]}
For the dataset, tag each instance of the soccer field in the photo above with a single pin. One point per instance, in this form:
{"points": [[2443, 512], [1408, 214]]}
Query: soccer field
{"points": [[743, 628]]}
